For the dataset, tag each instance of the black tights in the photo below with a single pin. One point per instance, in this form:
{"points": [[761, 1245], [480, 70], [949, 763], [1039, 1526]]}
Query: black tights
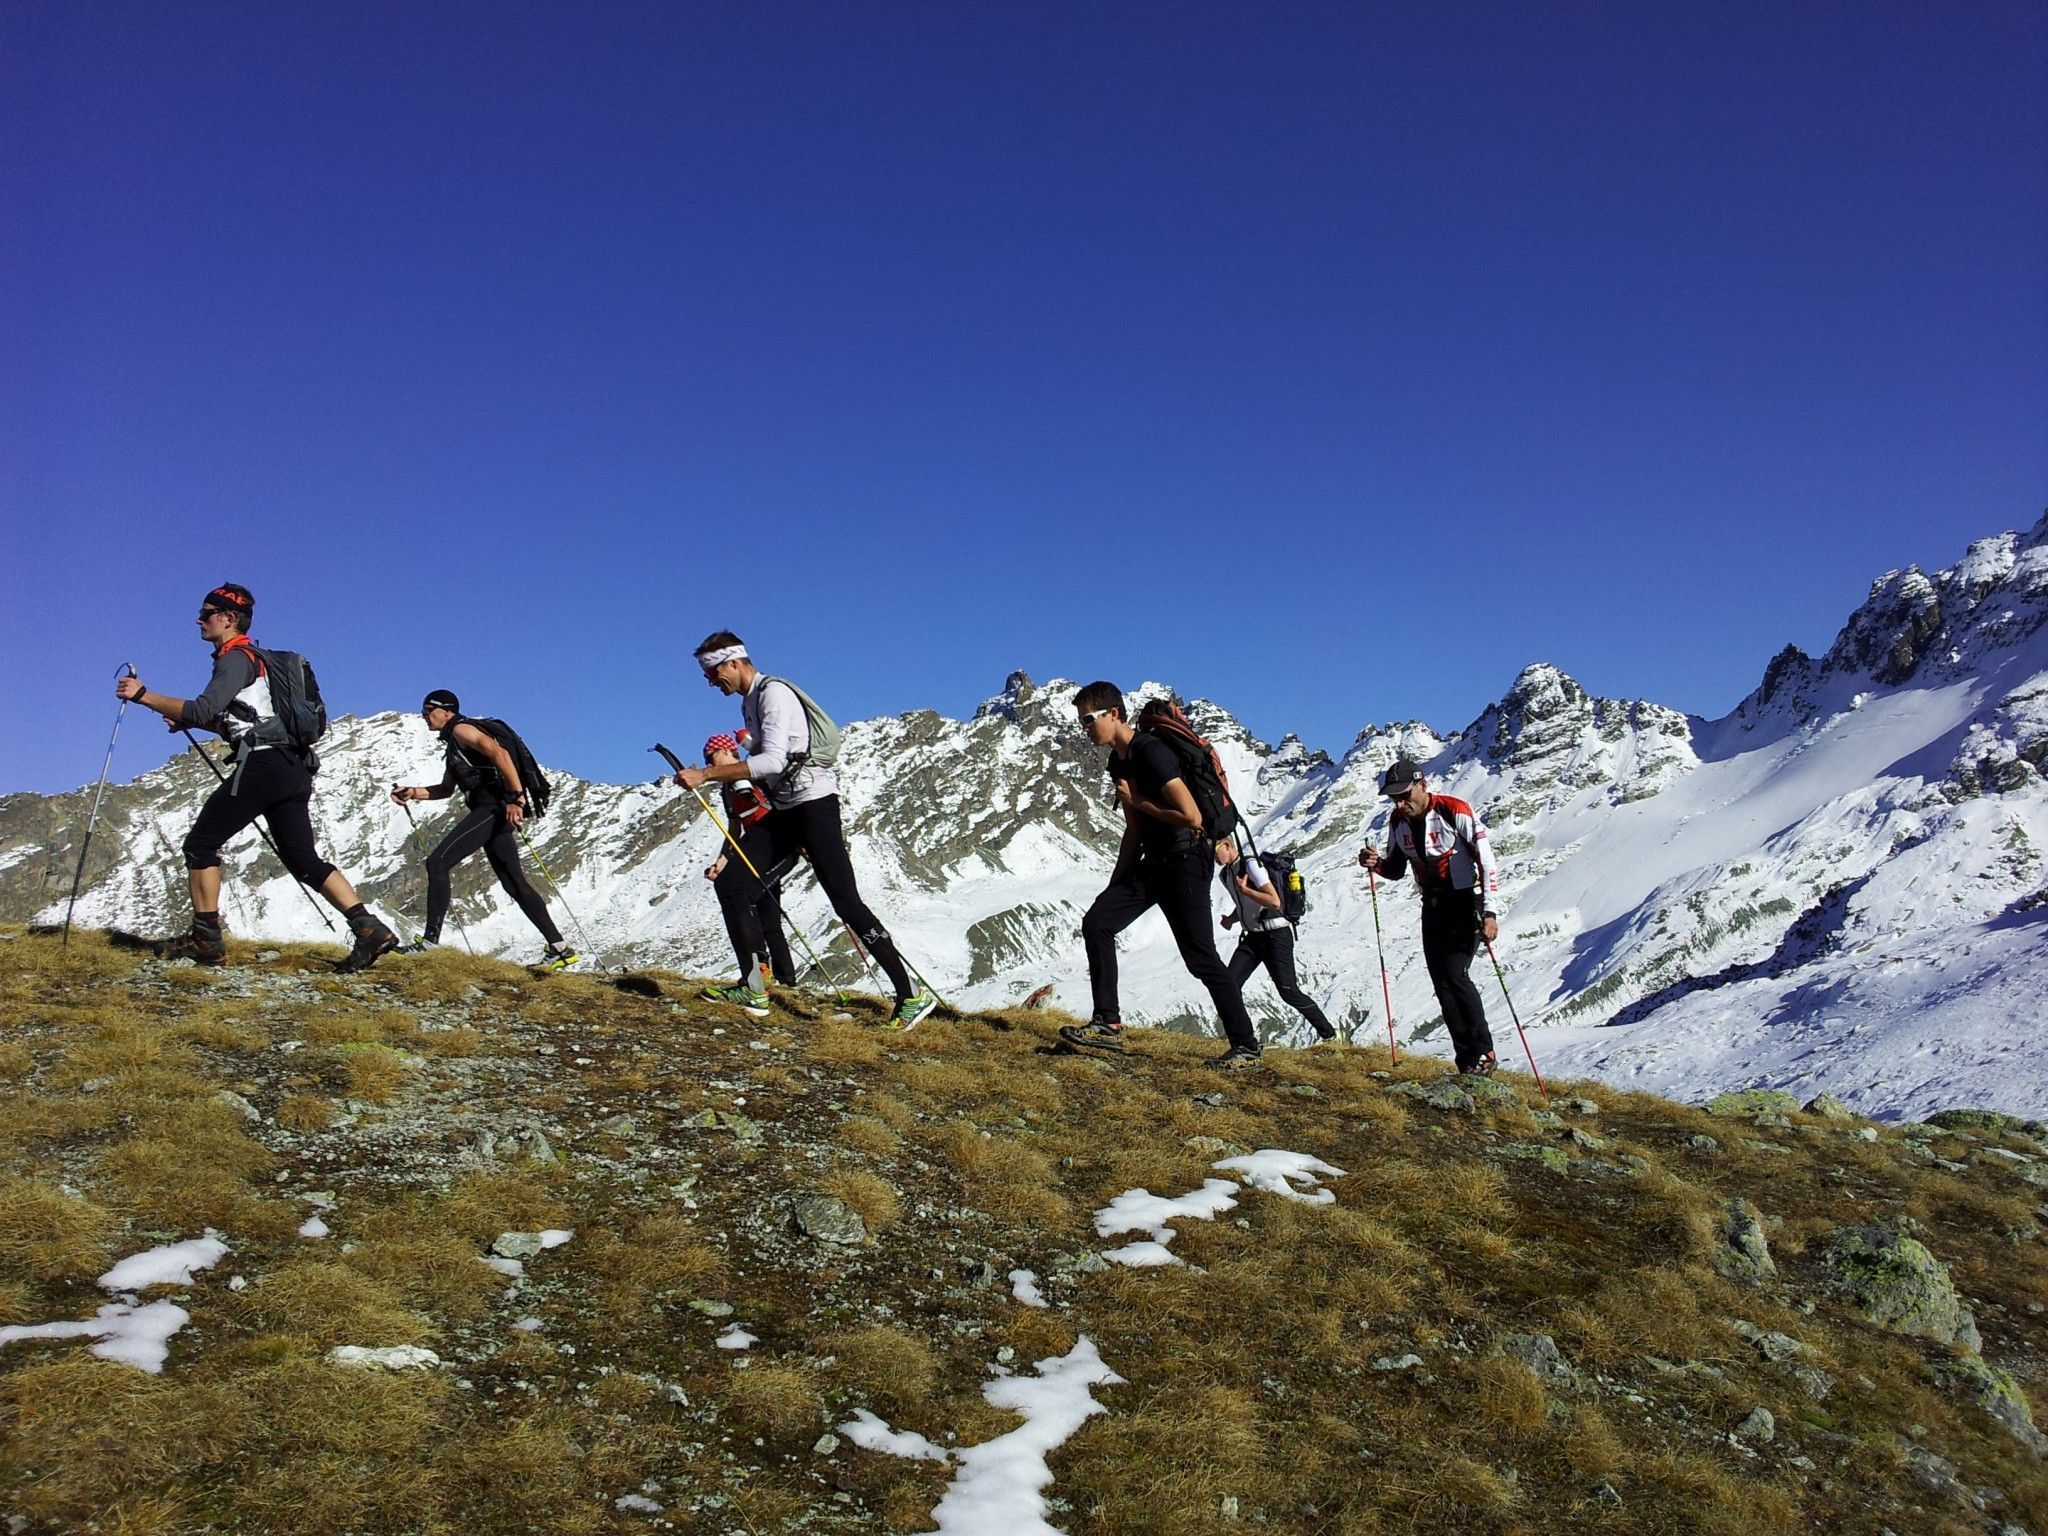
{"points": [[753, 912], [813, 828], [484, 827], [1274, 949]]}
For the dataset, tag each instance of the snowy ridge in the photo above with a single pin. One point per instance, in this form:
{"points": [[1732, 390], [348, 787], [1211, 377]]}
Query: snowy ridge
{"points": [[1836, 885]]}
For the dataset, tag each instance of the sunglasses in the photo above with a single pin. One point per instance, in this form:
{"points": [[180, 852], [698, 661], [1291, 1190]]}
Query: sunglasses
{"points": [[213, 613], [1094, 715]]}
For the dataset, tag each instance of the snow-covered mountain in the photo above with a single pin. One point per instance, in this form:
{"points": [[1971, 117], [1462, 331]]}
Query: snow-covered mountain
{"points": [[1839, 884]]}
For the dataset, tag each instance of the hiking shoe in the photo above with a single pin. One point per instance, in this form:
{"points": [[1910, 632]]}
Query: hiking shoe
{"points": [[557, 959], [417, 947], [745, 998], [1235, 1059], [911, 1011], [371, 941], [1483, 1067], [199, 948], [1095, 1035]]}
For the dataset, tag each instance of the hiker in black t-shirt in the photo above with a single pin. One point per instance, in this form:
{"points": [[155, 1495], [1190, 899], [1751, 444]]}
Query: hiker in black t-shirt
{"points": [[1165, 861], [481, 767]]}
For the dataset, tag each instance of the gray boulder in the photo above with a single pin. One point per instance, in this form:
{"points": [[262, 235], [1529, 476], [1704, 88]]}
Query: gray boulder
{"points": [[824, 1219], [1893, 1281], [1540, 1353], [1997, 1394], [1743, 1252]]}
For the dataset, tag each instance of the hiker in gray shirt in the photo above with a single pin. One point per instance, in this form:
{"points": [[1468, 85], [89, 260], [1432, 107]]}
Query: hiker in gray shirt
{"points": [[794, 745]]}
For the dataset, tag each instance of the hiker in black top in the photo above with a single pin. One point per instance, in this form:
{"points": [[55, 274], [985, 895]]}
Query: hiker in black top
{"points": [[270, 780], [1443, 840], [481, 767], [752, 910], [1164, 861]]}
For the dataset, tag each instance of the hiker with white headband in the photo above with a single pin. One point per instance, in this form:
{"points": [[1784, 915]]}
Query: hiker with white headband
{"points": [[793, 746]]}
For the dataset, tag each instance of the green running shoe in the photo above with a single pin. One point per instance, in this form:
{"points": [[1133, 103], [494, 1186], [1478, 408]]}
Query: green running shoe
{"points": [[912, 1011], [745, 998]]}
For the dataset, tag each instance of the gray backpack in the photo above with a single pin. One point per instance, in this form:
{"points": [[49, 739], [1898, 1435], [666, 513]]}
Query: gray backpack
{"points": [[823, 751]]}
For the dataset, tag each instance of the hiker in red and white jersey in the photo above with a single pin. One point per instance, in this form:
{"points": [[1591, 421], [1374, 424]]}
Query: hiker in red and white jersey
{"points": [[752, 909], [1445, 842]]}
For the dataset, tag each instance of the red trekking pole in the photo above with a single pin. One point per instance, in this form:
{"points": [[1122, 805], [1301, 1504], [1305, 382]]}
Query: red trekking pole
{"points": [[1386, 989], [1501, 977]]}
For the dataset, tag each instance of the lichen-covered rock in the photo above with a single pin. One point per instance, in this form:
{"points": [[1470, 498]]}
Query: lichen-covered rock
{"points": [[1826, 1106], [1893, 1281], [825, 1219], [1488, 1090], [1751, 1102], [1983, 1121], [1443, 1094], [1743, 1252], [1553, 1158], [1999, 1395]]}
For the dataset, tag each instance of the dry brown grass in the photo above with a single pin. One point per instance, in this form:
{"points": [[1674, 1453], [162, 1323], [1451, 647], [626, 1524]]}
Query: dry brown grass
{"points": [[779, 1401], [47, 1235], [865, 1133], [1250, 1365], [883, 1367], [875, 1198], [373, 1074], [304, 1112], [323, 1303]]}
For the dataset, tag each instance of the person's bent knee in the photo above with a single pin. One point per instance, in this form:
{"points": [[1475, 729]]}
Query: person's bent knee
{"points": [[199, 856], [313, 872]]}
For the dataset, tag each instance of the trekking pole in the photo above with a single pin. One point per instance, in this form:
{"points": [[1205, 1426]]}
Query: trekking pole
{"points": [[1372, 884], [556, 886], [866, 959], [421, 848], [1501, 977], [260, 832], [797, 928], [125, 670]]}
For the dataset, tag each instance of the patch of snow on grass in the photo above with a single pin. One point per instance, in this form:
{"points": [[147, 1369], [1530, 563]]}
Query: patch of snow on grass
{"points": [[1277, 1173], [172, 1264], [1024, 1286], [131, 1334], [1139, 1210], [996, 1491], [313, 1227], [735, 1337]]}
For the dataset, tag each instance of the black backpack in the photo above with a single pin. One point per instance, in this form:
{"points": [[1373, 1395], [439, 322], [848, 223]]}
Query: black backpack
{"points": [[298, 714], [531, 779], [1200, 768], [1287, 880]]}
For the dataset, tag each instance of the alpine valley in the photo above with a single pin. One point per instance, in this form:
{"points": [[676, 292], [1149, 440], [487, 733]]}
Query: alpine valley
{"points": [[1839, 885]]}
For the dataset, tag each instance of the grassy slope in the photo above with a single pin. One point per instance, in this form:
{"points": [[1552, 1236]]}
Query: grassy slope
{"points": [[1250, 1372]]}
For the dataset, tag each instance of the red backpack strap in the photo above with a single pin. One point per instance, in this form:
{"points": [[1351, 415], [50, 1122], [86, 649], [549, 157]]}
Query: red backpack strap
{"points": [[244, 643]]}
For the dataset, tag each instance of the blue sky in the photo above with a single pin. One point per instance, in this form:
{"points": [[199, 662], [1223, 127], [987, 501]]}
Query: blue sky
{"points": [[1332, 361]]}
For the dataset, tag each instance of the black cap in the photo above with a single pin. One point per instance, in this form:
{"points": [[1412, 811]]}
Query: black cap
{"points": [[1398, 777], [441, 698], [230, 597]]}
